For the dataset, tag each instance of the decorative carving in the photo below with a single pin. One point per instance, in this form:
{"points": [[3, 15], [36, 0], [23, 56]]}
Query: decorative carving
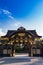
{"points": [[12, 36], [21, 34], [29, 36]]}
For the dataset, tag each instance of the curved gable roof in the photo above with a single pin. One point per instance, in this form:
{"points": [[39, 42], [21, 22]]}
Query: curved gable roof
{"points": [[32, 32]]}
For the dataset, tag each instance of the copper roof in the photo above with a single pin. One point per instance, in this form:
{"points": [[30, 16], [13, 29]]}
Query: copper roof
{"points": [[11, 32]]}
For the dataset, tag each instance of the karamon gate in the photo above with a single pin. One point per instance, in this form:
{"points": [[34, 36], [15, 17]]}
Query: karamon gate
{"points": [[18, 41]]}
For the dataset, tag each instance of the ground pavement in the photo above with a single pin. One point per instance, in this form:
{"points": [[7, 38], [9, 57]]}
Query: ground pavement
{"points": [[21, 60]]}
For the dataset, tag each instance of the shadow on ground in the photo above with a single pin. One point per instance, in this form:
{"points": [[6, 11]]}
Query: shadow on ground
{"points": [[9, 60], [21, 60]]}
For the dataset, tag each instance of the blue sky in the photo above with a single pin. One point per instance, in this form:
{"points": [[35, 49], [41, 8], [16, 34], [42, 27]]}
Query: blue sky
{"points": [[16, 13]]}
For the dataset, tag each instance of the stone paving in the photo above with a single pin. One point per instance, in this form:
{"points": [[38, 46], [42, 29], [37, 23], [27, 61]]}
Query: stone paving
{"points": [[21, 60]]}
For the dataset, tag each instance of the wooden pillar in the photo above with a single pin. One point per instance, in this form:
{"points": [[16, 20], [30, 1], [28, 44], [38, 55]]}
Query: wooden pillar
{"points": [[13, 50], [29, 50]]}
